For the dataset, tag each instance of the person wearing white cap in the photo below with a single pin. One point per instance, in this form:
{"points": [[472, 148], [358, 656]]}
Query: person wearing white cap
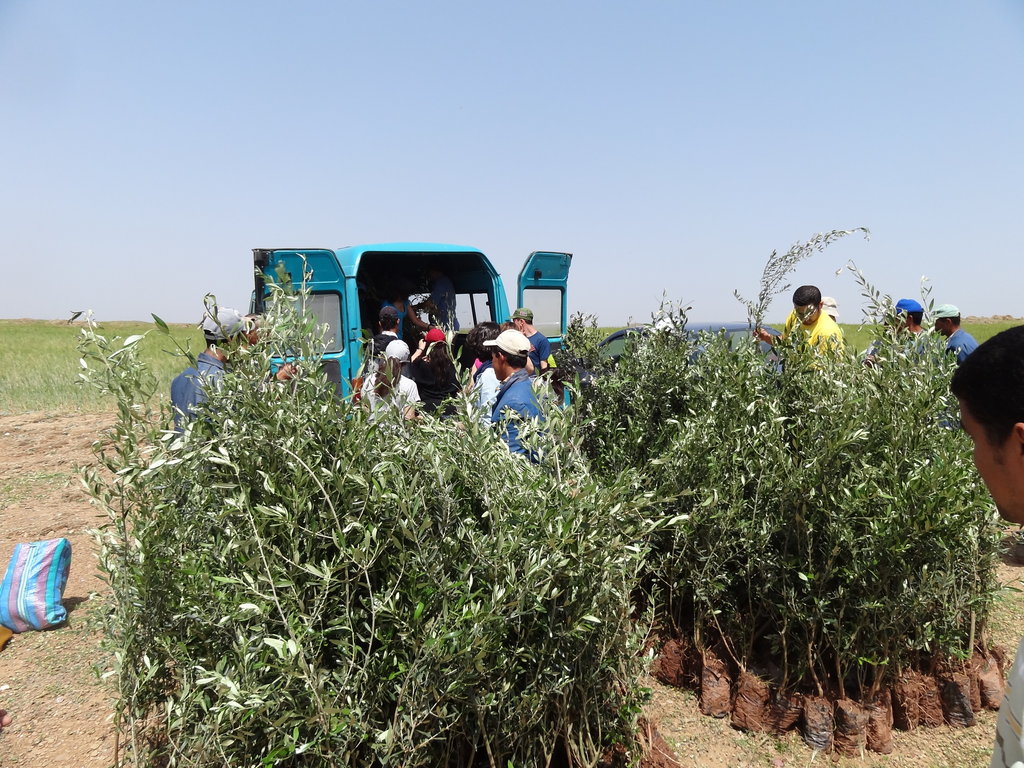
{"points": [[516, 400], [958, 341], [222, 328], [388, 387], [830, 307]]}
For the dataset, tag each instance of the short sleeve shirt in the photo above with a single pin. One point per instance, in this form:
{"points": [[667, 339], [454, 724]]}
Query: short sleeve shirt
{"points": [[540, 349], [823, 333]]}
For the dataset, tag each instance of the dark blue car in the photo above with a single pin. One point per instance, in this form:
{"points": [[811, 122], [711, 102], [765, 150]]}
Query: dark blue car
{"points": [[615, 344]]}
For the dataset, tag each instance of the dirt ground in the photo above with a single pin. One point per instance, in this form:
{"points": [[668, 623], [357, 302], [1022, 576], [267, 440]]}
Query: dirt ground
{"points": [[50, 681]]}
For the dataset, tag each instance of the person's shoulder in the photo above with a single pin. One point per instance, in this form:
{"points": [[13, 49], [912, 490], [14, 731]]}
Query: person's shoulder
{"points": [[408, 386], [826, 326], [188, 373]]}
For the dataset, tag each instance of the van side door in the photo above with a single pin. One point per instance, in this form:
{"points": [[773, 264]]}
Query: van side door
{"points": [[327, 302], [542, 288]]}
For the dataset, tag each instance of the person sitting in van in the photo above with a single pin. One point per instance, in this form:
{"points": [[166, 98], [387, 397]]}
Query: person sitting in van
{"points": [[387, 387], [433, 370]]}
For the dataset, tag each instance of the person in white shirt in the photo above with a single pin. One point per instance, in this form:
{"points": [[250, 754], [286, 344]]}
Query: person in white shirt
{"points": [[387, 387]]}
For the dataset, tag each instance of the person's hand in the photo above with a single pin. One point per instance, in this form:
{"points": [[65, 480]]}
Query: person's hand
{"points": [[763, 335], [286, 372], [5, 719]]}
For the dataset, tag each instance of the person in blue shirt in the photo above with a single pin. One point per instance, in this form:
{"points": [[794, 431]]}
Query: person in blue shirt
{"points": [[442, 296], [516, 400], [540, 347], [958, 341], [222, 326], [399, 301]]}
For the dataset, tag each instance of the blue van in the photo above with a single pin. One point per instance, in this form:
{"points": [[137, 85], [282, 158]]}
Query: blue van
{"points": [[349, 285]]}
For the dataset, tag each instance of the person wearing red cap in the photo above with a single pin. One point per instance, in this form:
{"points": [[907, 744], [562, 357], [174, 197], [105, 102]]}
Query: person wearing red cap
{"points": [[432, 368]]}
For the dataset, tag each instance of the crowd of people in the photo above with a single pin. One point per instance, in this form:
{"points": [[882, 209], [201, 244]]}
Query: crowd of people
{"points": [[503, 362], [815, 320], [428, 379]]}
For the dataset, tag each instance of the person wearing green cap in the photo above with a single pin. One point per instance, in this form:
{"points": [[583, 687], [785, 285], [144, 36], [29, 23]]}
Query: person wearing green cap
{"points": [[540, 347], [958, 341]]}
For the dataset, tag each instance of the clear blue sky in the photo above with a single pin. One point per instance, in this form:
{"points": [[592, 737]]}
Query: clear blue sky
{"points": [[671, 146]]}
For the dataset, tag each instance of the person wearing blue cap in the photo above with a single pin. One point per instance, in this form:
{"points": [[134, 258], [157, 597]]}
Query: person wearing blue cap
{"points": [[958, 341], [912, 313], [909, 314]]}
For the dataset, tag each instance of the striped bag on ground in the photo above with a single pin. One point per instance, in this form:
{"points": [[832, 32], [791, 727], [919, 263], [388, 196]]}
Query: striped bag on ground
{"points": [[33, 587]]}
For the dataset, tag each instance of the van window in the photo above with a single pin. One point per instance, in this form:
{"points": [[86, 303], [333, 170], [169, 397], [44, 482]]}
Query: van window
{"points": [[546, 304], [326, 307], [472, 308]]}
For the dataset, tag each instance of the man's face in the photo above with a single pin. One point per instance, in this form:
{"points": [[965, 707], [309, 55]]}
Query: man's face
{"points": [[519, 324], [807, 313], [944, 326], [1000, 466], [501, 367]]}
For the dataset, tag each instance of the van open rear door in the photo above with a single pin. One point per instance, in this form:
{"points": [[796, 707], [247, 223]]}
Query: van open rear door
{"points": [[327, 301], [541, 288]]}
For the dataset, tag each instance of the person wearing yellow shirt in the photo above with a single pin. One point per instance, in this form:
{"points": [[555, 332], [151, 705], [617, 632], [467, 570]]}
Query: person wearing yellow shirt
{"points": [[810, 321]]}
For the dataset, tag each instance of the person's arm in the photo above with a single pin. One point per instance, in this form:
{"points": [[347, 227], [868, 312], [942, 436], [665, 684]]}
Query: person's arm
{"points": [[418, 352], [545, 353], [414, 317]]}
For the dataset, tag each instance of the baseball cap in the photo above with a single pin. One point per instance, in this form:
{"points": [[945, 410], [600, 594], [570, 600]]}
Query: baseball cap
{"points": [[511, 342], [397, 349], [908, 305], [222, 324], [830, 307], [523, 314], [388, 312], [434, 335], [945, 310]]}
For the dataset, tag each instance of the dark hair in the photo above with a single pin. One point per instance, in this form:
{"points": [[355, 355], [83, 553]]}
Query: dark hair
{"points": [[954, 320], [805, 295], [917, 317], [439, 360], [387, 377], [388, 322], [481, 332], [516, 361], [990, 382]]}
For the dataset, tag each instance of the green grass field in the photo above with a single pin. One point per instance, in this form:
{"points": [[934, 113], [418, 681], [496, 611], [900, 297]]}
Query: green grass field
{"points": [[42, 372], [860, 338], [42, 369]]}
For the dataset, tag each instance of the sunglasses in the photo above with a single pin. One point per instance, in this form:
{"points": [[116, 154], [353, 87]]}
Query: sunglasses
{"points": [[806, 311]]}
